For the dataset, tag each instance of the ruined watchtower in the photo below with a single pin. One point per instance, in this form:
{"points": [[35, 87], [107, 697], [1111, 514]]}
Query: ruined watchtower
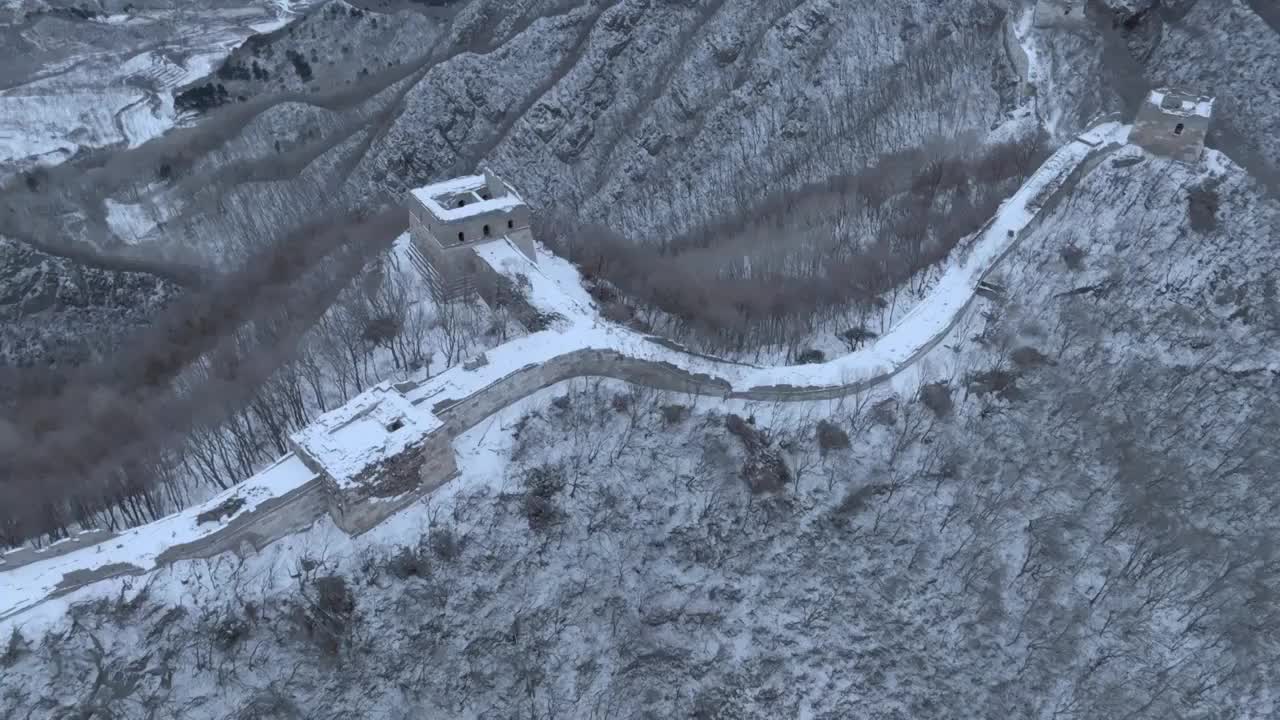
{"points": [[374, 455], [449, 219], [1060, 13], [1173, 124]]}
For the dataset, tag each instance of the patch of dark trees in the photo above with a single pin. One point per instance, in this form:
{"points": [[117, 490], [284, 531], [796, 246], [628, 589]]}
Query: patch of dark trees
{"points": [[202, 98], [935, 201], [96, 446], [300, 64]]}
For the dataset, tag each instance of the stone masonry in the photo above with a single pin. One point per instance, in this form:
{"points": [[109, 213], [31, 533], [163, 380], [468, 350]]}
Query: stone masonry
{"points": [[1173, 124], [448, 220]]}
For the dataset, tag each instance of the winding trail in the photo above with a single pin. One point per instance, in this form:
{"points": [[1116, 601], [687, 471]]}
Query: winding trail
{"points": [[287, 497]]}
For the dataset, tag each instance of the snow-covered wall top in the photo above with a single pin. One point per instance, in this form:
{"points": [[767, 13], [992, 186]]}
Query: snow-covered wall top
{"points": [[372, 427], [149, 546], [1172, 102]]}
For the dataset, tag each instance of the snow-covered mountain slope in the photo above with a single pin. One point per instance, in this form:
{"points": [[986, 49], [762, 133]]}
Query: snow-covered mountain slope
{"points": [[1065, 515], [554, 289], [90, 75], [644, 116]]}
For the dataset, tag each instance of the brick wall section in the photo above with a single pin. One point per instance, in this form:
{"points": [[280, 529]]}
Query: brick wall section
{"points": [[395, 484]]}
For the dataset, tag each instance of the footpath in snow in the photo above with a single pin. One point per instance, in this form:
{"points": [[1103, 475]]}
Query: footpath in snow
{"points": [[553, 286]]}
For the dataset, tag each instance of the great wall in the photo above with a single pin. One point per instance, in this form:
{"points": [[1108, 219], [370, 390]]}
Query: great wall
{"points": [[380, 477]]}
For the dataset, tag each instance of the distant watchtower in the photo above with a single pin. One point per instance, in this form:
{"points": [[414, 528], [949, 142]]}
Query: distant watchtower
{"points": [[1173, 124], [449, 219], [1060, 13]]}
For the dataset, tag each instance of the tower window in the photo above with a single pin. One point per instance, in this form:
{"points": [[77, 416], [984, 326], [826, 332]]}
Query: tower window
{"points": [[1177, 129], [511, 224], [461, 237], [486, 231]]}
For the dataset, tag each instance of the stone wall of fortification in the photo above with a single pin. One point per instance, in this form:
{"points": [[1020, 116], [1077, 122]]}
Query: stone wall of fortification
{"points": [[435, 463]]}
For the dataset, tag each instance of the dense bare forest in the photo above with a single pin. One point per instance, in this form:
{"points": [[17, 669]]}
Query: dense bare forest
{"points": [[829, 255]]}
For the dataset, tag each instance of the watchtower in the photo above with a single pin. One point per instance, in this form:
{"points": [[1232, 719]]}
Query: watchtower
{"points": [[449, 219], [375, 454], [1060, 13], [1173, 124]]}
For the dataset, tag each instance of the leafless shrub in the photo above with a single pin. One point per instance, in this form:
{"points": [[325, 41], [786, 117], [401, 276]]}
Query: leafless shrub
{"points": [[937, 397], [333, 596], [811, 356], [764, 469], [854, 337], [621, 402], [1027, 357], [271, 703], [410, 562], [542, 484], [1202, 208], [325, 613], [1073, 257], [885, 412], [858, 499], [229, 629], [673, 414], [15, 648], [1003, 383], [831, 437], [444, 544]]}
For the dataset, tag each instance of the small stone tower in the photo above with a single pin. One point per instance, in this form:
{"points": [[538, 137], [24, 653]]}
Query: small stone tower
{"points": [[1173, 124], [449, 219], [1060, 13]]}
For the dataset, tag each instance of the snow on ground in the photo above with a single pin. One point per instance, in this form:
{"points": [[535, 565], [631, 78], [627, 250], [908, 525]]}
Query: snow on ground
{"points": [[1038, 75], [129, 221], [26, 586], [553, 285]]}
